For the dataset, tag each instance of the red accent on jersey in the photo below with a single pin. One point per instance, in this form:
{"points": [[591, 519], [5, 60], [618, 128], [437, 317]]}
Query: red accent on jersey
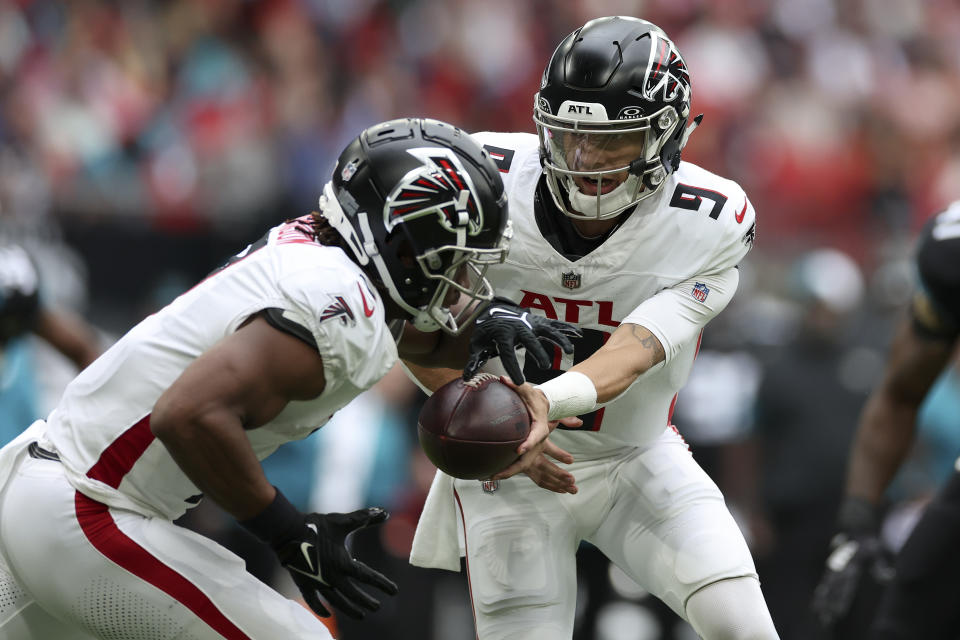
{"points": [[677, 431], [466, 557], [597, 419], [571, 311], [673, 403], [118, 458], [540, 301], [104, 534], [739, 216], [573, 308], [367, 311], [606, 314]]}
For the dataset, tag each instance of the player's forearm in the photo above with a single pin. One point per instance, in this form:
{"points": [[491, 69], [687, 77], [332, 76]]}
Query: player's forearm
{"points": [[69, 335], [881, 444], [431, 378], [214, 452], [434, 349], [888, 421], [630, 352]]}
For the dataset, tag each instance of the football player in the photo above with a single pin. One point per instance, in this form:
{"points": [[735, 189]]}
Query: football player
{"points": [[616, 235], [23, 314], [923, 600], [261, 352]]}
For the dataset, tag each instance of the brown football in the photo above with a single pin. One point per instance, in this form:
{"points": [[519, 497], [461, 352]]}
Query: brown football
{"points": [[472, 429]]}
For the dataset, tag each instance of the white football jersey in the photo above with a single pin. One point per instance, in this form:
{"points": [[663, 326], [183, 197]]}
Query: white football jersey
{"points": [[670, 267], [101, 427]]}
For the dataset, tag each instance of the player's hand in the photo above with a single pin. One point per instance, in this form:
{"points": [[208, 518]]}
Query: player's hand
{"points": [[853, 553], [536, 443], [503, 327], [320, 563], [548, 475]]}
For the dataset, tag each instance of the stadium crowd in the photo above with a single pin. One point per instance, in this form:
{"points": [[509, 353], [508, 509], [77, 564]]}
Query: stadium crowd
{"points": [[141, 142]]}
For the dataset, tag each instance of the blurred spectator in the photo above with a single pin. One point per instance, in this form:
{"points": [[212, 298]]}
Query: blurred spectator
{"points": [[808, 402], [204, 114], [25, 315]]}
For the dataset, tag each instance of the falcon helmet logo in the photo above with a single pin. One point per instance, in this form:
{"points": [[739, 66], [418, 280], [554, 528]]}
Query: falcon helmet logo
{"points": [[570, 280], [666, 72], [441, 187]]}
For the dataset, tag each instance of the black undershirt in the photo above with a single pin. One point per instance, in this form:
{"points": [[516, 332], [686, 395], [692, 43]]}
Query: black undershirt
{"points": [[557, 229]]}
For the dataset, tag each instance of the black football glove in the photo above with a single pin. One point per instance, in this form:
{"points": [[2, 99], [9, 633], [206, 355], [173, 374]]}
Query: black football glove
{"points": [[503, 326], [319, 561], [857, 557]]}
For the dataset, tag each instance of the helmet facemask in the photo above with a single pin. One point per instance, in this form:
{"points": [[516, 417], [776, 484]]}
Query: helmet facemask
{"points": [[461, 286], [603, 168]]}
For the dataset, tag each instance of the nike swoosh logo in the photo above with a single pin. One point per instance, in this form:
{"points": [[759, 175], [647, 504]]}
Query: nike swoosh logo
{"points": [[497, 310], [305, 548], [739, 216], [367, 310]]}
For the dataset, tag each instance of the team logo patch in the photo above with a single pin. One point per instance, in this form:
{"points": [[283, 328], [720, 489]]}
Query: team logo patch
{"points": [[570, 280], [338, 309], [750, 235], [440, 187], [700, 291], [490, 486], [349, 170]]}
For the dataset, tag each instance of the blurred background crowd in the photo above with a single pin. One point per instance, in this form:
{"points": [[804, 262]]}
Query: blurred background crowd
{"points": [[143, 142]]}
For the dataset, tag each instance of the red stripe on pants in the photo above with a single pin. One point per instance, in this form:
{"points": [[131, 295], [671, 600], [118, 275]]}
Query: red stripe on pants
{"points": [[104, 534]]}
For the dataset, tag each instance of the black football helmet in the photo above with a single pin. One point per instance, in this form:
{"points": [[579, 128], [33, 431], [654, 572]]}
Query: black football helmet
{"points": [[612, 115], [422, 208], [19, 292]]}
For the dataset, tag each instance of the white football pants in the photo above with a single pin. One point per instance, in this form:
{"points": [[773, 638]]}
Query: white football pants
{"points": [[651, 510], [72, 568]]}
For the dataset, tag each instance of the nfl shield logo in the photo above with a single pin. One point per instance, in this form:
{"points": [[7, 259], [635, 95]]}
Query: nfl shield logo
{"points": [[700, 291], [570, 280], [349, 170]]}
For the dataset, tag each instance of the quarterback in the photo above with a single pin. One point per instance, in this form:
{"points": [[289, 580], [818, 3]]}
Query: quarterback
{"points": [[617, 236], [261, 352]]}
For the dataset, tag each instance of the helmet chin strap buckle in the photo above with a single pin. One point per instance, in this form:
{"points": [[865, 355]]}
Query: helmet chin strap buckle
{"points": [[422, 321]]}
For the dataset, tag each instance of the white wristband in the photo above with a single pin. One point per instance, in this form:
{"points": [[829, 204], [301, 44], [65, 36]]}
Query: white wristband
{"points": [[569, 394]]}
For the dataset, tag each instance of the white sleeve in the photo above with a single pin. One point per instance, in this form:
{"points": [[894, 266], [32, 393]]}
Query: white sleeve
{"points": [[353, 345], [678, 314]]}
